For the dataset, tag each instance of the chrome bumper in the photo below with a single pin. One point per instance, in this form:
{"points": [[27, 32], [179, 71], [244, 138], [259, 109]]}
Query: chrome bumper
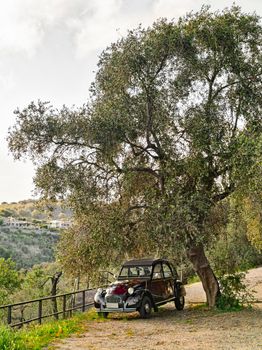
{"points": [[119, 309]]}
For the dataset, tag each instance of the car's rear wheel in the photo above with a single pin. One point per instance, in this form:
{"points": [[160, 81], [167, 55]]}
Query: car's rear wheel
{"points": [[180, 303], [146, 307]]}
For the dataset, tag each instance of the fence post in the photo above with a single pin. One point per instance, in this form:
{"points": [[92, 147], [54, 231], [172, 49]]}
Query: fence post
{"points": [[64, 306], [40, 309], [9, 314], [84, 301]]}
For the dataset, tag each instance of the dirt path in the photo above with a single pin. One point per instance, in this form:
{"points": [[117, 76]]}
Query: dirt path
{"points": [[169, 329], [196, 294]]}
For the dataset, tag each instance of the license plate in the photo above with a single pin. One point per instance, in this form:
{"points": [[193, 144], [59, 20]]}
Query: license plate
{"points": [[112, 305]]}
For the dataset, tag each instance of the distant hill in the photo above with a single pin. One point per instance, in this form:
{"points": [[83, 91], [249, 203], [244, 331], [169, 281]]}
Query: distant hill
{"points": [[34, 244], [34, 210], [27, 247]]}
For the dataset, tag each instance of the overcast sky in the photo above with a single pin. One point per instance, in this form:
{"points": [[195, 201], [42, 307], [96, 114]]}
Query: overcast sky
{"points": [[49, 50]]}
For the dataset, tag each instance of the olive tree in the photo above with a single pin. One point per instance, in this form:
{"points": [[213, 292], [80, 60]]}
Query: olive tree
{"points": [[171, 129]]}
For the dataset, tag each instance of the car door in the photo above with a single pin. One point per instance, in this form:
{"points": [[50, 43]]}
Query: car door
{"points": [[168, 281], [157, 285]]}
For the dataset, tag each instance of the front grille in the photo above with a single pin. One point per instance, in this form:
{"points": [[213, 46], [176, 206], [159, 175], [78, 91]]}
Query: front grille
{"points": [[113, 299]]}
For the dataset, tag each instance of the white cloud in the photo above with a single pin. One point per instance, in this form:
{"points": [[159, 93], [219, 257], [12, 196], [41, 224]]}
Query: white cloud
{"points": [[17, 32], [7, 81], [173, 9], [97, 26], [103, 22], [94, 24], [24, 23], [176, 9]]}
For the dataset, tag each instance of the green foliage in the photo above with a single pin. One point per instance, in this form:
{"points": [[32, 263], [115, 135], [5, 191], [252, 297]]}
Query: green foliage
{"points": [[231, 249], [9, 279], [10, 340], [38, 337], [6, 213], [27, 247], [173, 126], [234, 293], [28, 210], [251, 211], [193, 279]]}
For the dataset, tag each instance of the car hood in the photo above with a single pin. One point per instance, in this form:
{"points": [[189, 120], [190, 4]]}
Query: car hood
{"points": [[129, 282]]}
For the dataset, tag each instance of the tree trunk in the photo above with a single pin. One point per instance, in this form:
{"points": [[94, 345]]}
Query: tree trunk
{"points": [[201, 265], [55, 280]]}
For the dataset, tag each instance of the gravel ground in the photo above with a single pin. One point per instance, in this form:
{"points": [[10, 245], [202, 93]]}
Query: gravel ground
{"points": [[193, 328]]}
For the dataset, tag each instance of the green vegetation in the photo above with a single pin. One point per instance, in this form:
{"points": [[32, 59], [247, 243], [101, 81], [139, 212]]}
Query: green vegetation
{"points": [[231, 249], [10, 340], [27, 247], [171, 131], [234, 293], [34, 245], [9, 279], [38, 337], [34, 210]]}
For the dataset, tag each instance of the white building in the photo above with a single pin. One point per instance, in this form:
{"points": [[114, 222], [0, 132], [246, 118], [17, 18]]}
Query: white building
{"points": [[59, 224], [13, 222]]}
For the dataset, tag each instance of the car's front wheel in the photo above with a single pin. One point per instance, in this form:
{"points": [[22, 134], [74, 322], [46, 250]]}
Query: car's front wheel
{"points": [[146, 307], [180, 303]]}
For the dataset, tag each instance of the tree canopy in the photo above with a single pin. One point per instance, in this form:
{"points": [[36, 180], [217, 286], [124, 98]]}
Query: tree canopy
{"points": [[9, 279], [172, 127]]}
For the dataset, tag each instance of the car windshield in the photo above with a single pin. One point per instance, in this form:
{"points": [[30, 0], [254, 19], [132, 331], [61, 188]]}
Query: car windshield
{"points": [[135, 271]]}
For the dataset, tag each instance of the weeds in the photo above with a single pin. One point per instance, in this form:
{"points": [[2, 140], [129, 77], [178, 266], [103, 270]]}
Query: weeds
{"points": [[39, 336]]}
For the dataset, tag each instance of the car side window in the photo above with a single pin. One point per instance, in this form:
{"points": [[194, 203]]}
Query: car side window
{"points": [[167, 271], [157, 273]]}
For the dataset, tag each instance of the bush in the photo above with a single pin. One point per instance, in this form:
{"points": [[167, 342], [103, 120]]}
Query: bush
{"points": [[234, 293], [10, 340]]}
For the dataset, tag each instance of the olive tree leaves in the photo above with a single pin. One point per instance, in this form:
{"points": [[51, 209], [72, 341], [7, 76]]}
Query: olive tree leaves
{"points": [[170, 129]]}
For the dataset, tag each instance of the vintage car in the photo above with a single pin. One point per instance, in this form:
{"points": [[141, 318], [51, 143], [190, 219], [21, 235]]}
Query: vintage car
{"points": [[142, 285]]}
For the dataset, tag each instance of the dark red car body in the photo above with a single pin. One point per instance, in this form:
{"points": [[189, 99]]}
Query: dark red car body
{"points": [[142, 285]]}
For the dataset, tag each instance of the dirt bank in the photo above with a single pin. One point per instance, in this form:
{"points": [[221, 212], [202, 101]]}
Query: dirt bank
{"points": [[169, 329]]}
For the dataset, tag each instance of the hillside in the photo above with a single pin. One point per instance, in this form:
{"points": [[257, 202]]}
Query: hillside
{"points": [[29, 232], [27, 247], [34, 210]]}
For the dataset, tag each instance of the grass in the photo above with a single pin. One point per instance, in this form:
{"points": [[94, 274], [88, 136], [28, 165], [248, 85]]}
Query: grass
{"points": [[193, 279], [39, 336]]}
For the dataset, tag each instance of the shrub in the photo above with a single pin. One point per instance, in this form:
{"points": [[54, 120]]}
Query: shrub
{"points": [[10, 340], [234, 293]]}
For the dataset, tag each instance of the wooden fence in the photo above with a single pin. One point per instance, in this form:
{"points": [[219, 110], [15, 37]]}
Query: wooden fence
{"points": [[65, 305]]}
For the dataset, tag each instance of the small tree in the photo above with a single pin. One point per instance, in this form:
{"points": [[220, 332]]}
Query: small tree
{"points": [[9, 279], [172, 129]]}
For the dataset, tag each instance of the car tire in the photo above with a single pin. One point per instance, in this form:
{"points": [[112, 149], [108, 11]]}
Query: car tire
{"points": [[145, 309], [180, 303]]}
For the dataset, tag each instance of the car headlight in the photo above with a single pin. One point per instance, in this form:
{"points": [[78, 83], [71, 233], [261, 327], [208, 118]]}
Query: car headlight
{"points": [[99, 291], [130, 290]]}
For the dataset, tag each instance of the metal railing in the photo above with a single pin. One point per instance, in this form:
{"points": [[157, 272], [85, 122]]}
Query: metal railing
{"points": [[13, 314]]}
